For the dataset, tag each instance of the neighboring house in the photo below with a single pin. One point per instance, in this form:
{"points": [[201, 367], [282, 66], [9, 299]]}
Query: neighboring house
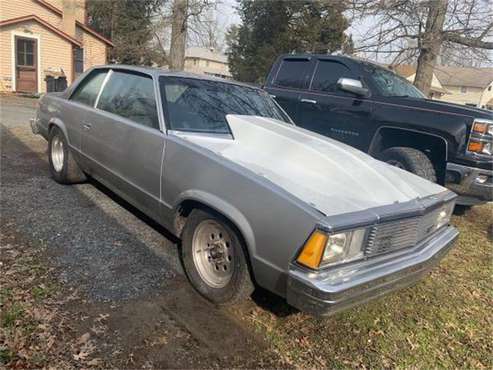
{"points": [[409, 72], [469, 86], [41, 38], [207, 61], [460, 85]]}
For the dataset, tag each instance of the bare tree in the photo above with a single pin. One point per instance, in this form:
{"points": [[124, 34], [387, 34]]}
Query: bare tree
{"points": [[186, 15], [411, 30], [178, 35], [205, 31]]}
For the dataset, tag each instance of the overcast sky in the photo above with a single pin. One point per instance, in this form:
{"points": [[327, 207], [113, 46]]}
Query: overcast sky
{"points": [[227, 16]]}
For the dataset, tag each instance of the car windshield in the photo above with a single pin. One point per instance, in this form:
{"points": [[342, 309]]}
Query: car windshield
{"points": [[201, 105], [389, 84]]}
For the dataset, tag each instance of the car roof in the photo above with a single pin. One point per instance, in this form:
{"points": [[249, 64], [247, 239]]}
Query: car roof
{"points": [[342, 57], [156, 72]]}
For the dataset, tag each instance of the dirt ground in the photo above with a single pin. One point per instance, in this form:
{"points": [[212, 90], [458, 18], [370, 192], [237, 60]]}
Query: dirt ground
{"points": [[108, 278], [88, 281]]}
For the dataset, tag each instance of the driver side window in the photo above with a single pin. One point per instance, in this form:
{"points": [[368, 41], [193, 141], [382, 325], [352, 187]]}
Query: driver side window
{"points": [[130, 95], [327, 73]]}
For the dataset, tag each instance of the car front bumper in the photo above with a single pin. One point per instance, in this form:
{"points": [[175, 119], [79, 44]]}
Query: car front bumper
{"points": [[327, 292], [473, 185]]}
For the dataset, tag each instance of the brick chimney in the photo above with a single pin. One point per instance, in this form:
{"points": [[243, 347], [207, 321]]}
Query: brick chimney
{"points": [[68, 18]]}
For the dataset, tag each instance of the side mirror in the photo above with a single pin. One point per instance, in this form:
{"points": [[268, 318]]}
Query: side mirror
{"points": [[353, 86]]}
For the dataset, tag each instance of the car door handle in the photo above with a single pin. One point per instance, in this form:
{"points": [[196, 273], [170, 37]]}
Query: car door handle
{"points": [[272, 96], [308, 101], [87, 126]]}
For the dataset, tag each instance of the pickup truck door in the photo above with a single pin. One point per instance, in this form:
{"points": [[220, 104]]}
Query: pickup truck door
{"points": [[288, 82], [331, 112], [123, 142]]}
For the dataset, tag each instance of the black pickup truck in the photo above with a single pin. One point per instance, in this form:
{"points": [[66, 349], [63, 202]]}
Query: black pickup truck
{"points": [[375, 110]]}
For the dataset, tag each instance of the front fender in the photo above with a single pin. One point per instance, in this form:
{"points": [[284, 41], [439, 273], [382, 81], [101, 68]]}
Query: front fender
{"points": [[226, 209]]}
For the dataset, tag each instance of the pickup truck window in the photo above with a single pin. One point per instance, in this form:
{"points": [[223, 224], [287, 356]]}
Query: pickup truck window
{"points": [[201, 105], [87, 91], [130, 95], [292, 73], [389, 84], [327, 73]]}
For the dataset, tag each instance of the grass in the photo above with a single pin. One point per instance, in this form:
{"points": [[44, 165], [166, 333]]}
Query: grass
{"points": [[444, 321], [32, 330]]}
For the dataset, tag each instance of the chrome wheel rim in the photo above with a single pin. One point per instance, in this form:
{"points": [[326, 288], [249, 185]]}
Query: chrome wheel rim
{"points": [[396, 164], [57, 153], [213, 253]]}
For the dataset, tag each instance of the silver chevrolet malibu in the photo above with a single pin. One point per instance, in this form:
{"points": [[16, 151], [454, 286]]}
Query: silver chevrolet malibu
{"points": [[254, 199]]}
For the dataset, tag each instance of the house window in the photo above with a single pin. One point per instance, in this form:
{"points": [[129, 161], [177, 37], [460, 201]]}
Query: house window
{"points": [[463, 89], [25, 52], [78, 61], [489, 88]]}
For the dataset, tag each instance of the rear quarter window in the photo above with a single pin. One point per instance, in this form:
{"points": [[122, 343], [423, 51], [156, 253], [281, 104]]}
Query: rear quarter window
{"points": [[88, 89]]}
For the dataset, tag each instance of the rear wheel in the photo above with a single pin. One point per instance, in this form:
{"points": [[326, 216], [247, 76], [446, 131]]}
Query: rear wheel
{"points": [[411, 160], [63, 167], [214, 258]]}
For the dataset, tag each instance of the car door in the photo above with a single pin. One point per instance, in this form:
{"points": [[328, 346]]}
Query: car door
{"points": [[80, 101], [123, 140], [288, 82], [329, 111]]}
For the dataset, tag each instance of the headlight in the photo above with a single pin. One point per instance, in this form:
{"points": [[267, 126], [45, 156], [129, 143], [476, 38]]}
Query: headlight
{"points": [[481, 138], [323, 249]]}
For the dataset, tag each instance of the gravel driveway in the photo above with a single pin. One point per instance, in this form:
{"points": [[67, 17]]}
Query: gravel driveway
{"points": [[112, 254]]}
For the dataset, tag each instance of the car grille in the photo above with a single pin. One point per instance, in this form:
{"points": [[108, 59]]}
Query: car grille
{"points": [[404, 233]]}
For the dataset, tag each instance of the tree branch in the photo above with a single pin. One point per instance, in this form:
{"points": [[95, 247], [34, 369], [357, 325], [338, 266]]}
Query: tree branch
{"points": [[468, 41]]}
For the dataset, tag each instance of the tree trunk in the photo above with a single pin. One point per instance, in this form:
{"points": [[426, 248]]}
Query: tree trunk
{"points": [[430, 45], [178, 35]]}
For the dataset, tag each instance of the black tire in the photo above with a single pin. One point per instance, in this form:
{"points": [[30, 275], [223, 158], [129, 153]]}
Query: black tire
{"points": [[411, 160], [461, 210], [70, 172], [240, 286]]}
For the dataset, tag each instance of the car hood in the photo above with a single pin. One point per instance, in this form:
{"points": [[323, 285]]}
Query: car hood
{"points": [[328, 175]]}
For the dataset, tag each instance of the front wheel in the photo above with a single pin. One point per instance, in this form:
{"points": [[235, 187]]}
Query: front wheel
{"points": [[411, 160], [214, 258]]}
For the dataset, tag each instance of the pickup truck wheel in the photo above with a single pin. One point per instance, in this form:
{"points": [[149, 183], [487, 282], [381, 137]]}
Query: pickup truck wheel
{"points": [[411, 160], [214, 258], [63, 167]]}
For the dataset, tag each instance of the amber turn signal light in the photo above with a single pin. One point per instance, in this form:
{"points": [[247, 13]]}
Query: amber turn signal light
{"points": [[475, 146], [312, 252], [480, 127]]}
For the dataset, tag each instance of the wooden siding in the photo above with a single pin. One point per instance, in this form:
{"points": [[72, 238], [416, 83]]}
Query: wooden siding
{"points": [[94, 50], [54, 52], [21, 8]]}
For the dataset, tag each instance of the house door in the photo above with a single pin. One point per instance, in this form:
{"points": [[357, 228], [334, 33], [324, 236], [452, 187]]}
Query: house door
{"points": [[26, 68]]}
